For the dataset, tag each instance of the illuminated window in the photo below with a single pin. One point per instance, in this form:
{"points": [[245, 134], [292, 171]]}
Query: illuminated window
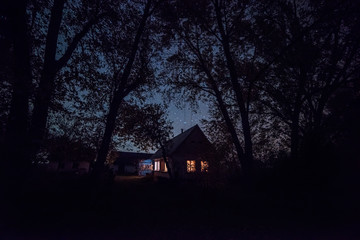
{"points": [[157, 166], [204, 166], [165, 168], [190, 166]]}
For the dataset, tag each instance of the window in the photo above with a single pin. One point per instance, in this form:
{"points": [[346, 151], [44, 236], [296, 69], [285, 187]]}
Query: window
{"points": [[190, 166], [157, 166], [204, 166], [165, 168]]}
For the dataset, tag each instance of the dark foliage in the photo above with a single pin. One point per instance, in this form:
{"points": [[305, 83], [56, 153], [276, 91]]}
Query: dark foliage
{"points": [[281, 79]]}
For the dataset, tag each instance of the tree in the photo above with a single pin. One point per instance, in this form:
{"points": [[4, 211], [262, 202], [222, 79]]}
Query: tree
{"points": [[210, 56], [312, 55], [148, 128], [53, 62], [28, 22], [125, 82], [16, 37], [62, 149], [225, 30], [204, 85]]}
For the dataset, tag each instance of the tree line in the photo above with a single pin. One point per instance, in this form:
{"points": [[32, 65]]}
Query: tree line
{"points": [[279, 76]]}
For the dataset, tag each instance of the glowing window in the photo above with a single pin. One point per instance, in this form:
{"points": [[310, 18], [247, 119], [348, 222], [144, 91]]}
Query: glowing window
{"points": [[190, 166], [157, 166], [204, 166], [165, 168]]}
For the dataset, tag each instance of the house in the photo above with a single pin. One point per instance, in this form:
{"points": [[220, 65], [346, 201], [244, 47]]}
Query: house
{"points": [[128, 163], [145, 167], [80, 167], [190, 156]]}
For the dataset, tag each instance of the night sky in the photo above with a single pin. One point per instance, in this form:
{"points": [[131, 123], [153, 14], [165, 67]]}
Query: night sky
{"points": [[186, 118], [181, 118]]}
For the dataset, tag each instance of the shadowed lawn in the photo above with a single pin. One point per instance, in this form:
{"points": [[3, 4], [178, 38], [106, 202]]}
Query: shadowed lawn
{"points": [[135, 207]]}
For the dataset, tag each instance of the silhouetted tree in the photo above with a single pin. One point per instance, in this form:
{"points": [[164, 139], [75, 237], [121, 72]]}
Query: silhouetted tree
{"points": [[207, 63], [47, 53], [125, 82], [309, 54], [148, 128], [53, 61], [16, 47], [62, 149]]}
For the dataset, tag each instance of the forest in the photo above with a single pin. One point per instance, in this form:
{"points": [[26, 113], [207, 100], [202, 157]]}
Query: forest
{"points": [[281, 80]]}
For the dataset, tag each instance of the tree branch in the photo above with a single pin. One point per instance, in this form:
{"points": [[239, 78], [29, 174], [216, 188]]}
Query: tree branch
{"points": [[86, 28]]}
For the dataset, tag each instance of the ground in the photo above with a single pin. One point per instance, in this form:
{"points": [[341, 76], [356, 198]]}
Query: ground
{"points": [[141, 208]]}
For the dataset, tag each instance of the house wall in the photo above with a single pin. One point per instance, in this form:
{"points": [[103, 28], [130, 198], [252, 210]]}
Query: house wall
{"points": [[127, 163], [66, 167], [84, 166], [145, 167], [195, 147], [53, 166], [161, 173]]}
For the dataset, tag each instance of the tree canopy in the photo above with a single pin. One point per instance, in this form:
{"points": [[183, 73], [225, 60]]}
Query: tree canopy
{"points": [[272, 73]]}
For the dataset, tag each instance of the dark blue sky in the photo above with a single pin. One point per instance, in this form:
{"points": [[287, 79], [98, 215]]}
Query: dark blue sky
{"points": [[182, 119], [186, 118]]}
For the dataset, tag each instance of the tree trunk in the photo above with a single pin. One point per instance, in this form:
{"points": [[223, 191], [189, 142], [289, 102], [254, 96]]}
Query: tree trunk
{"points": [[164, 155], [295, 137], [241, 104], [109, 128], [46, 86], [14, 165], [40, 112], [17, 126], [225, 113], [231, 129], [238, 93]]}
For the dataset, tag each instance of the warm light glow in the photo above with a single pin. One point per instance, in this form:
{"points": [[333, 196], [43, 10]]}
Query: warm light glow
{"points": [[157, 166], [204, 166], [165, 167], [190, 166]]}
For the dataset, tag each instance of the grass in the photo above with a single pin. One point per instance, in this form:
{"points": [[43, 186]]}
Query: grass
{"points": [[140, 208]]}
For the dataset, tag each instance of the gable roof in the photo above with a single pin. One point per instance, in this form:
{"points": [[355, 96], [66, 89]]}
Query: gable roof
{"points": [[175, 142]]}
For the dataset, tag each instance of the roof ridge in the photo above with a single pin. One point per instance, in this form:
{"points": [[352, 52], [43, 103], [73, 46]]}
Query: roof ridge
{"points": [[185, 131], [172, 144]]}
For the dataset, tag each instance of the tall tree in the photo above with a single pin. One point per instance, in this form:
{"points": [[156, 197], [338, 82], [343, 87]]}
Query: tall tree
{"points": [[53, 63], [14, 145], [125, 81], [207, 83], [313, 54], [215, 55], [225, 29], [148, 128]]}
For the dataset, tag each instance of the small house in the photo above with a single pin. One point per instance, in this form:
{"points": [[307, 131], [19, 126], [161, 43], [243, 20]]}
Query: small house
{"points": [[145, 167], [79, 167], [190, 156], [128, 163]]}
